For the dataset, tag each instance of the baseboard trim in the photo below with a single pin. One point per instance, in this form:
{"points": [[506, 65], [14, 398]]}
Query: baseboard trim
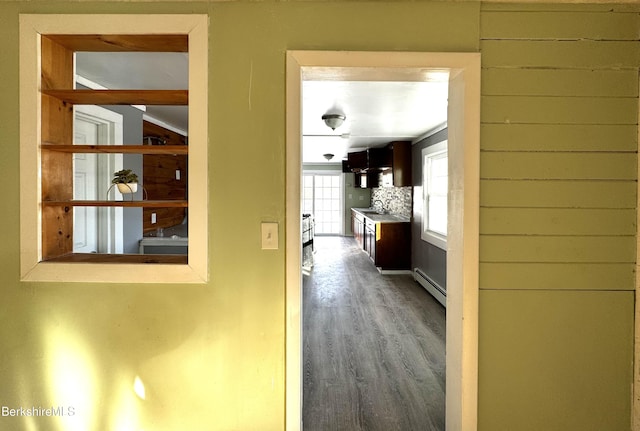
{"points": [[431, 286]]}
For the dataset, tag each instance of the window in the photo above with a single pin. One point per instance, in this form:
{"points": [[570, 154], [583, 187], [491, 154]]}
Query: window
{"points": [[435, 184], [64, 214]]}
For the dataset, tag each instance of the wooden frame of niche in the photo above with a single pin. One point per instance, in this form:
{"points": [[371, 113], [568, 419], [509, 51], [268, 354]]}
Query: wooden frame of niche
{"points": [[46, 150]]}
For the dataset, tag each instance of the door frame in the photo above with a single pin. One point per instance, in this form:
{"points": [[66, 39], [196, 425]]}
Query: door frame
{"points": [[463, 70], [110, 132]]}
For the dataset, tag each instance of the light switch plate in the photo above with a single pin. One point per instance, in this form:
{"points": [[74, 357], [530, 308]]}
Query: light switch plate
{"points": [[269, 236]]}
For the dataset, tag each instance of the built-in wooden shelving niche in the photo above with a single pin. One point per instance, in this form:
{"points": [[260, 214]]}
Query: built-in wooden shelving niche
{"points": [[58, 96]]}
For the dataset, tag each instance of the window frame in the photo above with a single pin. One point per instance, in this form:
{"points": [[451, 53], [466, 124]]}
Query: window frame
{"points": [[32, 267], [426, 234]]}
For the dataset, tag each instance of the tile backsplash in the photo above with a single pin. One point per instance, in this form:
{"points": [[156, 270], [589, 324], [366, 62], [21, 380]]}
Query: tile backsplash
{"points": [[396, 200]]}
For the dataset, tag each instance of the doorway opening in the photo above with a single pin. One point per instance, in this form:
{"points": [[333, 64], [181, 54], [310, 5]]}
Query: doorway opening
{"points": [[463, 114]]}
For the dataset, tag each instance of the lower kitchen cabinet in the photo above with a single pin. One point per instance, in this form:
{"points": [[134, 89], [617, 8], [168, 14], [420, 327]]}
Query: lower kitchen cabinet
{"points": [[388, 243], [357, 227], [370, 240]]}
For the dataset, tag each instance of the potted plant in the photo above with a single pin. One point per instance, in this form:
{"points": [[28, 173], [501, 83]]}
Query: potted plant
{"points": [[126, 180]]}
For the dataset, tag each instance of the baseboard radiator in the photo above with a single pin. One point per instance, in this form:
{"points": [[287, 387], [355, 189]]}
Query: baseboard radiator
{"points": [[431, 286]]}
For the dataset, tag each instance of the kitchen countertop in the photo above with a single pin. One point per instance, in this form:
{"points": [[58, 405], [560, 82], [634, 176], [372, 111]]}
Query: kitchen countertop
{"points": [[376, 217]]}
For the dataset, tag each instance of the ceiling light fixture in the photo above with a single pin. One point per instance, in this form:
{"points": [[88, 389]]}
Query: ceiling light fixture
{"points": [[333, 120], [328, 156]]}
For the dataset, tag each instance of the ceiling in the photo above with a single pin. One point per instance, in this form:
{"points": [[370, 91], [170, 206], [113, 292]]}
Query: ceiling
{"points": [[144, 71], [377, 112]]}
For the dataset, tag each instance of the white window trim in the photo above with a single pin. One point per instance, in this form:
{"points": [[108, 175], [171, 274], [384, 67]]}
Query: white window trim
{"points": [[31, 266], [426, 234]]}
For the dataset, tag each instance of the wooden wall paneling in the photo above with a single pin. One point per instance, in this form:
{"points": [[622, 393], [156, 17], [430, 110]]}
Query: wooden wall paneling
{"points": [[57, 168], [57, 223], [559, 25], [171, 137], [160, 176], [160, 179], [559, 110], [562, 249], [166, 217], [559, 7], [558, 194], [565, 54], [559, 82], [56, 65], [561, 166], [556, 275], [559, 137], [550, 341], [558, 221]]}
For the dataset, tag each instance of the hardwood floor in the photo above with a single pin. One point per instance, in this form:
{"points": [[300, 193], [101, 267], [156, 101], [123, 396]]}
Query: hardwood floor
{"points": [[374, 346]]}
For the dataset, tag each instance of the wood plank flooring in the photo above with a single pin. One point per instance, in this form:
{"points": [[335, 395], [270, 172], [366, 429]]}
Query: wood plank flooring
{"points": [[374, 346]]}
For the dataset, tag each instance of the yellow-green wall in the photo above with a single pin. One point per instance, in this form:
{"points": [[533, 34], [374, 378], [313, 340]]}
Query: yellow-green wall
{"points": [[557, 246]]}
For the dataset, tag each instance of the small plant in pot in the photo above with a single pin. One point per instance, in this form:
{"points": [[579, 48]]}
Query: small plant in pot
{"points": [[126, 180]]}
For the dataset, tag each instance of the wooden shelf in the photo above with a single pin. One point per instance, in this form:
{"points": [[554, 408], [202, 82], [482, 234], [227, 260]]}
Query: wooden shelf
{"points": [[121, 97], [122, 43], [127, 204], [118, 149], [120, 258]]}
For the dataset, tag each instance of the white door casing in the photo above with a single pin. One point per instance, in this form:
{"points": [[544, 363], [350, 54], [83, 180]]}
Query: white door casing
{"points": [[85, 171], [96, 230], [463, 241]]}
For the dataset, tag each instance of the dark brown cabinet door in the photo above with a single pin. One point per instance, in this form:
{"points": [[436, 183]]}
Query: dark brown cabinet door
{"points": [[357, 226], [370, 240]]}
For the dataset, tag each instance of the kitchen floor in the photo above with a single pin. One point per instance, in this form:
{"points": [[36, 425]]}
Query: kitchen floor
{"points": [[374, 346]]}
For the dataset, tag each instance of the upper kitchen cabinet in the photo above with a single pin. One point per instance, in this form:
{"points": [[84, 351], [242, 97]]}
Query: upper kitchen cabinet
{"points": [[399, 174], [389, 166], [379, 158], [358, 161]]}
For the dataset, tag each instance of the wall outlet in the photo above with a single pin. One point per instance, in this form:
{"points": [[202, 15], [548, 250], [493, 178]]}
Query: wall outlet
{"points": [[154, 219]]}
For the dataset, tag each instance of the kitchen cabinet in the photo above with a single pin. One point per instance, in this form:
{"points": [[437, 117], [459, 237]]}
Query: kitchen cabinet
{"points": [[401, 163], [357, 227], [370, 240], [385, 238], [357, 161], [379, 158], [389, 244], [398, 173], [389, 166], [367, 180]]}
